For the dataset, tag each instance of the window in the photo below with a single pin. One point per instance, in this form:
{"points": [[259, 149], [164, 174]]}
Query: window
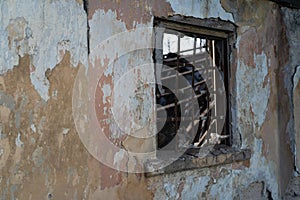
{"points": [[192, 83]]}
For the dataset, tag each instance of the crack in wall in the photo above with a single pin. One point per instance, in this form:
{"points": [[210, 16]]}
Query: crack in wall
{"points": [[86, 9], [294, 83]]}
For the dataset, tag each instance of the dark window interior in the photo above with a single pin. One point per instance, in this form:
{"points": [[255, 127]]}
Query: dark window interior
{"points": [[191, 88]]}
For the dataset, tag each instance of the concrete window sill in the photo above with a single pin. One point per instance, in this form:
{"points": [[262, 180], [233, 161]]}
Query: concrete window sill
{"points": [[219, 155]]}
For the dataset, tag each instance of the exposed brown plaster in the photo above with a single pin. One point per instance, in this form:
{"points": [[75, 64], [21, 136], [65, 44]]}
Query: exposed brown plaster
{"points": [[252, 42], [63, 160], [134, 188], [274, 131], [132, 12], [286, 157], [104, 181], [48, 161], [268, 131], [109, 177], [247, 13], [259, 22], [241, 165], [103, 109], [180, 189]]}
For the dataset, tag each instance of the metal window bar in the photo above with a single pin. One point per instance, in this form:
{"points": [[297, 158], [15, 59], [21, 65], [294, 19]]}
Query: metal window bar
{"points": [[193, 85], [176, 91], [215, 111], [228, 113]]}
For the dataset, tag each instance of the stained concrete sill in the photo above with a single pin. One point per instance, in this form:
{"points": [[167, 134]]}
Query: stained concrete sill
{"points": [[192, 160]]}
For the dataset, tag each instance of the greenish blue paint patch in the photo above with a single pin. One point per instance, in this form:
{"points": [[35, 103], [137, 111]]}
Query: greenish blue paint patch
{"points": [[7, 100], [37, 157], [12, 192]]}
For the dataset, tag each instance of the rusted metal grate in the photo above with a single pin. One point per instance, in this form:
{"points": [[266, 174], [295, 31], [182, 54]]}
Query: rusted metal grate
{"points": [[201, 62]]}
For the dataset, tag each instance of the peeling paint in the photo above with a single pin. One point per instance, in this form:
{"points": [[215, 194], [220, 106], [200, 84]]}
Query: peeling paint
{"points": [[291, 19], [106, 92], [33, 128], [132, 13], [201, 9], [296, 99], [296, 77], [40, 33], [65, 131], [44, 45], [37, 157], [19, 143], [5, 152], [257, 91], [194, 187]]}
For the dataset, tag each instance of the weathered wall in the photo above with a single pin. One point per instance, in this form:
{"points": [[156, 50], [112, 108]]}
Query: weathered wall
{"points": [[291, 75], [44, 46]]}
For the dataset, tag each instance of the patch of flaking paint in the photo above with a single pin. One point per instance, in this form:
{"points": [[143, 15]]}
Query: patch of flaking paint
{"points": [[18, 141], [48, 25], [65, 131], [296, 97], [7, 100], [296, 77], [222, 184], [199, 182], [132, 13], [118, 158], [194, 187], [170, 190], [106, 92], [33, 128], [104, 19], [201, 9], [32, 140], [261, 170], [37, 157], [252, 89], [263, 93], [5, 149]]}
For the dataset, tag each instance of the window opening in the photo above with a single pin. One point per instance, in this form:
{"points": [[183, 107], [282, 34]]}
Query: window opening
{"points": [[202, 60]]}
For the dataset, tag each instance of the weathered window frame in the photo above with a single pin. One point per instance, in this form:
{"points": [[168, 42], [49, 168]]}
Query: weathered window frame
{"points": [[218, 29]]}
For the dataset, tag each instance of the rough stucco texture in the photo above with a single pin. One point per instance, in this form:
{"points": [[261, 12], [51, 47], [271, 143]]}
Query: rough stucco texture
{"points": [[43, 30], [43, 46], [296, 100], [291, 75]]}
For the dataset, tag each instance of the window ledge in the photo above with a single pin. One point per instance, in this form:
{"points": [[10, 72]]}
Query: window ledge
{"points": [[192, 160]]}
